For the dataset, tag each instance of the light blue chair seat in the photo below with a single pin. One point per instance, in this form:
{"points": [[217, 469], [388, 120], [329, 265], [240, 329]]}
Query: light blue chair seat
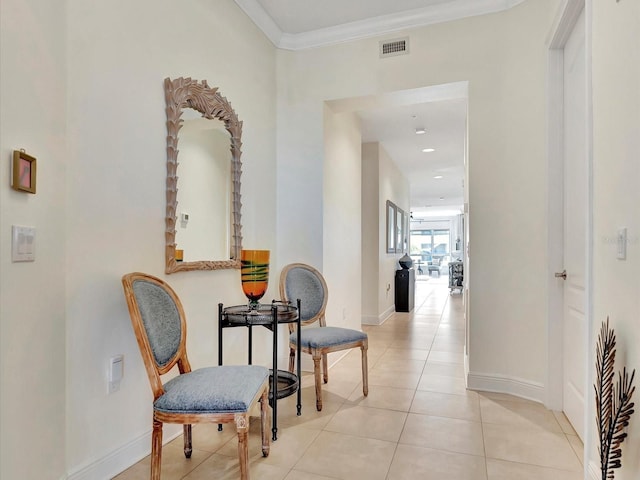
{"points": [[322, 337], [228, 389]]}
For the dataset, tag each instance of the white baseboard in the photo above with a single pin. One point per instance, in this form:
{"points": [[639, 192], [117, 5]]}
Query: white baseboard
{"points": [[504, 384], [380, 319], [594, 471], [370, 320], [123, 457]]}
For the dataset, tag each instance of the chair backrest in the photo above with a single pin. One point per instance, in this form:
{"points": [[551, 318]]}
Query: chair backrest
{"points": [[158, 321], [300, 281]]}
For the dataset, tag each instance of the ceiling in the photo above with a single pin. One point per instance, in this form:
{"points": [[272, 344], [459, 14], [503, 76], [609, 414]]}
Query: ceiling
{"points": [[296, 17], [298, 24], [390, 119], [435, 178]]}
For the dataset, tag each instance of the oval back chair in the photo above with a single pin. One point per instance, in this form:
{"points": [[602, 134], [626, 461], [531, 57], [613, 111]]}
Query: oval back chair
{"points": [[301, 281], [215, 395]]}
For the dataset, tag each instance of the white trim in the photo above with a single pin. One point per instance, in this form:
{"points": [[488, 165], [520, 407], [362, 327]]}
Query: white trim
{"points": [[262, 19], [590, 433], [387, 313], [593, 471], [380, 319], [566, 18], [442, 12], [399, 98], [505, 384], [371, 320], [563, 24], [555, 228], [123, 457]]}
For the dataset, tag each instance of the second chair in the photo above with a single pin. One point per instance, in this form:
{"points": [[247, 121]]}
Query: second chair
{"points": [[300, 281]]}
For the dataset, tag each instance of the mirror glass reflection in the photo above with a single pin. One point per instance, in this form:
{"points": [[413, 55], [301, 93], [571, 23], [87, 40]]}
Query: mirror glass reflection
{"points": [[204, 200]]}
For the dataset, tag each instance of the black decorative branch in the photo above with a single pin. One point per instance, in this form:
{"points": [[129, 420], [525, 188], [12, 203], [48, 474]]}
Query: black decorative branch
{"points": [[613, 402]]}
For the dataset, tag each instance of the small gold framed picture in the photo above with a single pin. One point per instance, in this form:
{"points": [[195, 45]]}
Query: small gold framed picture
{"points": [[23, 177]]}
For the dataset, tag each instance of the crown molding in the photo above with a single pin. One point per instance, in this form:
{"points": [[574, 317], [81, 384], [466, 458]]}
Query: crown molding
{"points": [[443, 12], [262, 19]]}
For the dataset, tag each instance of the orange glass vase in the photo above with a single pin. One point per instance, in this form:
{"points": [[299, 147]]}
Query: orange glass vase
{"points": [[254, 274]]}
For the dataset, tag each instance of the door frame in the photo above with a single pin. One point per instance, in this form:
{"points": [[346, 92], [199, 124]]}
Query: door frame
{"points": [[564, 22]]}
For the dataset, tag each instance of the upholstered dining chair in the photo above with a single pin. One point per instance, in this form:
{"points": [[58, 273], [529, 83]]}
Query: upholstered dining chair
{"points": [[215, 395], [300, 281]]}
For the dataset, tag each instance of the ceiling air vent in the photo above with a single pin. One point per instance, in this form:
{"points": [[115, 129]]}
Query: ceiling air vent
{"points": [[398, 46]]}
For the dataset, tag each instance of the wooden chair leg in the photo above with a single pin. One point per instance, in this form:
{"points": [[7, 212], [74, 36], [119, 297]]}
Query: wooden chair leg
{"points": [[187, 441], [325, 368], [264, 422], [317, 374], [242, 427], [365, 371], [156, 449]]}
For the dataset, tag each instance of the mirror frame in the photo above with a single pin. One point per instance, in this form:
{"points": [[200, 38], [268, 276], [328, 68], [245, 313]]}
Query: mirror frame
{"points": [[182, 93]]}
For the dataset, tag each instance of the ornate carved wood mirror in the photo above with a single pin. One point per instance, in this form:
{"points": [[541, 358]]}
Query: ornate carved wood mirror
{"points": [[210, 228]]}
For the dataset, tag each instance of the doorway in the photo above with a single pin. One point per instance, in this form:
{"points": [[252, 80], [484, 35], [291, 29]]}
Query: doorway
{"points": [[403, 165], [570, 237], [430, 247]]}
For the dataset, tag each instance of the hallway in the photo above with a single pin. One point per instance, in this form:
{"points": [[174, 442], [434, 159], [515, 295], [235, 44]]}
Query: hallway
{"points": [[418, 422]]}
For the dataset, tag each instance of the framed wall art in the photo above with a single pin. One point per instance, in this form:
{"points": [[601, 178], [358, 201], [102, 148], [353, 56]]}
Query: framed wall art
{"points": [[400, 216], [23, 172], [391, 227]]}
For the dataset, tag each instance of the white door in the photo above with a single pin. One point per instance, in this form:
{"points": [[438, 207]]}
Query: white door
{"points": [[575, 224]]}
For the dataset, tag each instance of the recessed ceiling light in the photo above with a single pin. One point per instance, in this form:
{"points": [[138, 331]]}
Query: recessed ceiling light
{"points": [[420, 131], [428, 150], [438, 177]]}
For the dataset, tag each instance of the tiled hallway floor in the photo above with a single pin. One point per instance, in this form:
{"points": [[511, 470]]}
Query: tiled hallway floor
{"points": [[418, 422]]}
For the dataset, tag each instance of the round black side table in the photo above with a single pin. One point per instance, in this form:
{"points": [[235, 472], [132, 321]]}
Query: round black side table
{"points": [[283, 382]]}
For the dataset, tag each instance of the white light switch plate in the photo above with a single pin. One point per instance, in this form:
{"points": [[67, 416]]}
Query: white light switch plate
{"points": [[116, 372], [23, 243]]}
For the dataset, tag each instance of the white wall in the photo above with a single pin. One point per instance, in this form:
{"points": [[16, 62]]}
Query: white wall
{"points": [[82, 90], [342, 218], [616, 175], [116, 204], [32, 295], [384, 181], [503, 57], [371, 240], [507, 210], [393, 186]]}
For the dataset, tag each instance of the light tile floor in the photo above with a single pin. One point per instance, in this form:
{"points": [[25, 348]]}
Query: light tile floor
{"points": [[418, 422]]}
